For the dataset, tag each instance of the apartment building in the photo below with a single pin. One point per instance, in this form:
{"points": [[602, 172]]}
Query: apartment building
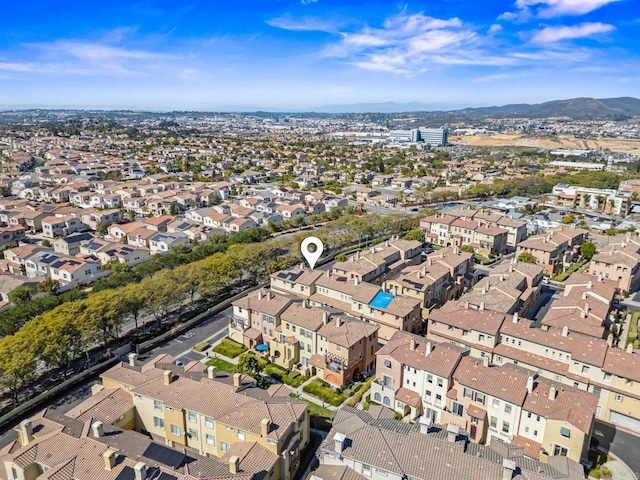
{"points": [[363, 300], [442, 277], [413, 375], [372, 445], [556, 250], [173, 404], [619, 262], [380, 262], [449, 230], [612, 202]]}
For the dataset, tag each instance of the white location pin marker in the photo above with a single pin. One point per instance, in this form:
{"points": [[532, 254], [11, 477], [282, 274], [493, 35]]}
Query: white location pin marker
{"points": [[311, 257]]}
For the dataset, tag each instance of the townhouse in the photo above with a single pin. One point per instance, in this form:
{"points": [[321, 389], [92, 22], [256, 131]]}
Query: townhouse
{"points": [[620, 263], [11, 234], [380, 262], [556, 250], [70, 245], [54, 226], [373, 445], [15, 258], [72, 270], [161, 243], [450, 230]]}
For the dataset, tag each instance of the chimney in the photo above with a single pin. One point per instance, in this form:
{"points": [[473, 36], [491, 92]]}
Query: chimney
{"points": [[610, 339], [481, 306], [356, 280], [530, 384], [484, 290], [485, 361], [589, 285], [328, 273], [259, 294], [630, 348], [265, 427], [584, 295], [466, 305], [168, 377], [412, 345], [26, 432], [418, 274], [565, 331], [586, 308], [338, 322], [140, 471], [552, 393], [425, 423], [236, 379], [98, 429], [452, 432], [508, 469], [133, 359], [338, 442], [427, 348], [515, 318], [424, 270], [301, 266], [211, 372], [502, 277], [325, 317], [110, 458], [234, 464]]}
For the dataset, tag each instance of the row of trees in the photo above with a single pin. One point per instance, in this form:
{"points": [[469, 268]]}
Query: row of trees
{"points": [[55, 338]]}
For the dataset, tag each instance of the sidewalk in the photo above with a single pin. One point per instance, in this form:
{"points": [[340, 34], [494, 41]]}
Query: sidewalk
{"points": [[620, 470]]}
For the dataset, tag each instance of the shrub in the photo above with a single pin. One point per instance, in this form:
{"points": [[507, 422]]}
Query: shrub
{"points": [[293, 379], [324, 392], [201, 347], [353, 401], [229, 348]]}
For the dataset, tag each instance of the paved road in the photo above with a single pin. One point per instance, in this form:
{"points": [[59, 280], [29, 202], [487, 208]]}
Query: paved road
{"points": [[621, 443]]}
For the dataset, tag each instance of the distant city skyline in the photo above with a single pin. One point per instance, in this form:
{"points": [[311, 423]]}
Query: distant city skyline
{"points": [[307, 54]]}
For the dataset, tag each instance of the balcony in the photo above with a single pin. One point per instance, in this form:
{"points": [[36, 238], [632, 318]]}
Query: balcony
{"points": [[387, 386], [238, 323]]}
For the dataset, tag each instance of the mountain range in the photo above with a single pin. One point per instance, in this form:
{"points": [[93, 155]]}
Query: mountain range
{"points": [[582, 107]]}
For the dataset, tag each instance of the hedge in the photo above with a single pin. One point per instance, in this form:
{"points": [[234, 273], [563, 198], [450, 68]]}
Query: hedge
{"points": [[323, 391], [353, 401], [201, 347], [229, 348], [293, 379]]}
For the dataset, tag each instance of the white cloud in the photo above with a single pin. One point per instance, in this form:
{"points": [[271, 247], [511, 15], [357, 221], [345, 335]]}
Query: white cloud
{"points": [[308, 2], [556, 34], [554, 8], [495, 28]]}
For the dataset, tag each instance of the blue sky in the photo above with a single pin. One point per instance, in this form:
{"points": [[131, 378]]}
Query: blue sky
{"points": [[296, 54]]}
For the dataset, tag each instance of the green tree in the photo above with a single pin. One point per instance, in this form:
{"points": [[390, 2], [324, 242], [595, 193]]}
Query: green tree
{"points": [[569, 218], [18, 357], [46, 243], [341, 257], [104, 313], [588, 250], [48, 285], [133, 301], [415, 234], [468, 249], [20, 295], [102, 228], [248, 364], [527, 257]]}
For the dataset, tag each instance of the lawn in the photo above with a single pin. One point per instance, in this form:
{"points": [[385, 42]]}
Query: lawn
{"points": [[229, 348], [321, 389], [221, 365], [562, 276], [633, 329], [320, 417]]}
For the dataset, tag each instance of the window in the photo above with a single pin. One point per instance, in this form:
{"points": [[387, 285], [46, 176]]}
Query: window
{"points": [[468, 393], [440, 382], [507, 408], [386, 402], [585, 370], [429, 378], [241, 435], [493, 422], [565, 432], [193, 418], [505, 427], [193, 433], [618, 398], [338, 348], [377, 397], [157, 405], [607, 377], [457, 409], [230, 429], [175, 430], [481, 338], [158, 422], [208, 422], [382, 473], [495, 403], [210, 439], [387, 363], [224, 446], [526, 429], [438, 401], [366, 470], [560, 451], [535, 433], [271, 442], [480, 398], [427, 395]]}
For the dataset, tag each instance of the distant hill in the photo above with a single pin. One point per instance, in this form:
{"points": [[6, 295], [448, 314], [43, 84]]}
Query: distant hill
{"points": [[582, 107]]}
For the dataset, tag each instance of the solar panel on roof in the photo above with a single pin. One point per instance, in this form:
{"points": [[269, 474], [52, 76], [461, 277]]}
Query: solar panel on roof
{"points": [[165, 455], [127, 473]]}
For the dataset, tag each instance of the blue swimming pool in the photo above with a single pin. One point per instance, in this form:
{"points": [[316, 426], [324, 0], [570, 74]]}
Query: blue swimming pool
{"points": [[381, 300]]}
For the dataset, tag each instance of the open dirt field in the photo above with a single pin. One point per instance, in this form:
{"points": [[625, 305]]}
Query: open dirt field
{"points": [[620, 145]]}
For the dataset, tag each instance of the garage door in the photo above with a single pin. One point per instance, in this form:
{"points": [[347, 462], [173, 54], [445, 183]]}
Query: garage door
{"points": [[625, 421]]}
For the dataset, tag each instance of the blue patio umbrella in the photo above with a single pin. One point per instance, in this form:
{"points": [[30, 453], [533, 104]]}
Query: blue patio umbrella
{"points": [[262, 347]]}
